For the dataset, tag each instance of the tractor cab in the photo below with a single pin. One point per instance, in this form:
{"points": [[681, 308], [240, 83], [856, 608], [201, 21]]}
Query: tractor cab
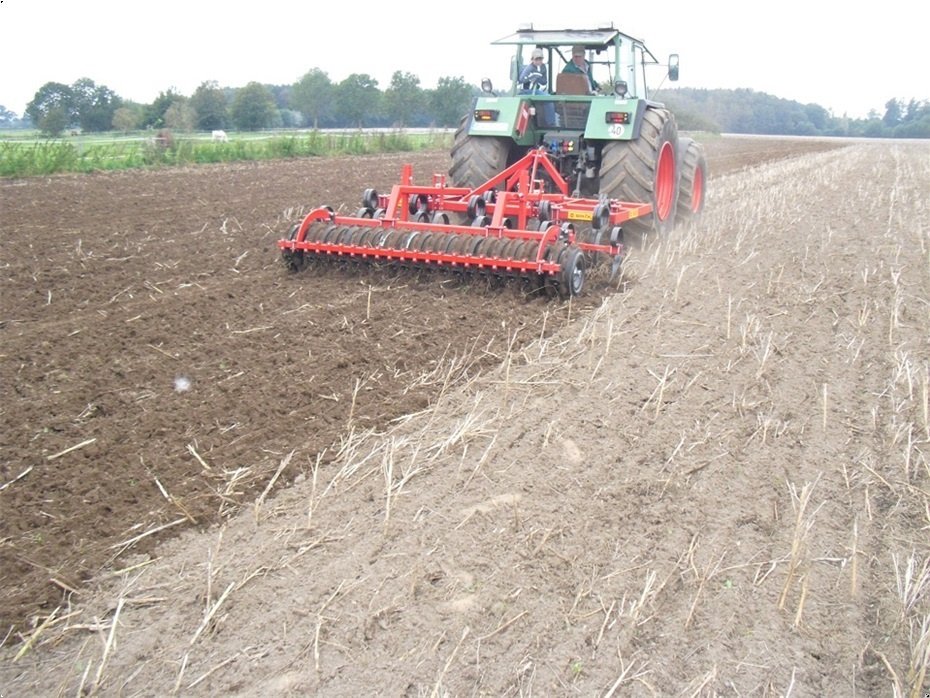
{"points": [[618, 62]]}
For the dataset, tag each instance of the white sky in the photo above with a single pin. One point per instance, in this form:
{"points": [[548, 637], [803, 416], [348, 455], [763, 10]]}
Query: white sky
{"points": [[846, 58]]}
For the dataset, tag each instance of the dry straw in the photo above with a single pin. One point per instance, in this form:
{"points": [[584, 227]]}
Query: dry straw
{"points": [[804, 521]]}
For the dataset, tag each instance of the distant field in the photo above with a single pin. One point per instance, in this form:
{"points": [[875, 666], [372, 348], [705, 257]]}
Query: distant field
{"points": [[110, 137], [26, 153]]}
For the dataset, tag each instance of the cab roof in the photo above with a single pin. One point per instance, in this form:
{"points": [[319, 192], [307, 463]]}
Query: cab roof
{"points": [[592, 38]]}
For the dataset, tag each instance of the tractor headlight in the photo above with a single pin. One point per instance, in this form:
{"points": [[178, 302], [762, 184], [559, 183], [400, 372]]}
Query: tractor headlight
{"points": [[486, 114]]}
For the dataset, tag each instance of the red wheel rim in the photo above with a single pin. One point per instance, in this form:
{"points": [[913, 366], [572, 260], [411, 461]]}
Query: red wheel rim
{"points": [[665, 182]]}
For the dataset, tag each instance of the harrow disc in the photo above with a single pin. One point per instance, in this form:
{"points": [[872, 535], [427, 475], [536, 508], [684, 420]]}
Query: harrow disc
{"points": [[353, 247]]}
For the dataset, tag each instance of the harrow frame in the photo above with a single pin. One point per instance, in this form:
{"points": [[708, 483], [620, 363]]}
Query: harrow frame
{"points": [[412, 226]]}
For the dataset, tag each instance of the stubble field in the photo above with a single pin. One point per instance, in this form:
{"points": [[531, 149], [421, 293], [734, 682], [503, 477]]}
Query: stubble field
{"points": [[710, 477]]}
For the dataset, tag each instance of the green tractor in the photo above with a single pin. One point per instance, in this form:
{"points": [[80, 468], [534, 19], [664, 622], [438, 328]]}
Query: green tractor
{"points": [[593, 117]]}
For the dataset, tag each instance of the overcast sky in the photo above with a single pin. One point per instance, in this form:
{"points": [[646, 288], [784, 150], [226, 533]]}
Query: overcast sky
{"points": [[846, 58]]}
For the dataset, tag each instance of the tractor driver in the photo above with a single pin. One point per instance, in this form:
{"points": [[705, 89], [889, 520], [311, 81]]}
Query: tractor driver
{"points": [[579, 65]]}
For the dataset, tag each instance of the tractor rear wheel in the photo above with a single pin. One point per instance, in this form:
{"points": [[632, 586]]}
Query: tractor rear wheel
{"points": [[692, 182], [475, 160], [643, 170]]}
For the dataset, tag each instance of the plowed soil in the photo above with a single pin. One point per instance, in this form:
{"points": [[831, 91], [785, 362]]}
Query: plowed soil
{"points": [[219, 477]]}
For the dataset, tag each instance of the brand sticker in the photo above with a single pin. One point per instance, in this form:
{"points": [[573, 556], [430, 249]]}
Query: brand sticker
{"points": [[580, 215]]}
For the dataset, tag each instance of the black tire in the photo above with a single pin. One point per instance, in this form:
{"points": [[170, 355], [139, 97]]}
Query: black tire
{"points": [[644, 170], [477, 159], [572, 276], [692, 180]]}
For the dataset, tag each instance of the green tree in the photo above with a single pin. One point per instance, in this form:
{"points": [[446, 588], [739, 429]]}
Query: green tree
{"points": [[451, 100], [126, 119], [253, 107], [312, 96], [916, 121], [913, 129], [53, 122], [52, 96], [404, 99], [818, 116], [915, 111], [181, 117], [281, 94], [209, 101], [154, 113], [7, 118], [290, 118], [873, 129], [892, 115], [95, 105], [358, 100], [694, 121]]}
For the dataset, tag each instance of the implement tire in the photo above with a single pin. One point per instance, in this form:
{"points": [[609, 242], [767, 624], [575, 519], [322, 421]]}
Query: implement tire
{"points": [[692, 182], [644, 171], [477, 159]]}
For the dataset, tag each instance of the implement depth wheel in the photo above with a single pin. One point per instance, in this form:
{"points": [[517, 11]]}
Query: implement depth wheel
{"points": [[572, 275]]}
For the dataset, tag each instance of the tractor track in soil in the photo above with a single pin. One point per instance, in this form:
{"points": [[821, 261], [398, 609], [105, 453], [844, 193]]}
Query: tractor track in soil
{"points": [[120, 290]]}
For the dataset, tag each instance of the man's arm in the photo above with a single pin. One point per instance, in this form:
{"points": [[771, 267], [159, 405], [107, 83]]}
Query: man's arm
{"points": [[594, 85]]}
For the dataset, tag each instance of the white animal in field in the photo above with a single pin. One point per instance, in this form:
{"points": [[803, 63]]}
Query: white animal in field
{"points": [[220, 136]]}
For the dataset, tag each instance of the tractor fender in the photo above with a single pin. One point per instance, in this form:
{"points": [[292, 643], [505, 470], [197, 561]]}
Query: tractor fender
{"points": [[641, 107]]}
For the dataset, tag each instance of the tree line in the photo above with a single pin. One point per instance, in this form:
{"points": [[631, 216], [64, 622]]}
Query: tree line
{"points": [[313, 101], [750, 112]]}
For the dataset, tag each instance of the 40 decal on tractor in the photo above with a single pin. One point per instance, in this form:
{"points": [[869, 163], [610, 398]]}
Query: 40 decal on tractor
{"points": [[542, 184]]}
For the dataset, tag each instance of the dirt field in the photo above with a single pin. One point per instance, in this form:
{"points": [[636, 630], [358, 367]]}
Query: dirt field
{"points": [[709, 478]]}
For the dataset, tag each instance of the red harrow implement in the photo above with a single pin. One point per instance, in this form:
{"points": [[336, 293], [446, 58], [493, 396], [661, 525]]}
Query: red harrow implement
{"points": [[520, 223]]}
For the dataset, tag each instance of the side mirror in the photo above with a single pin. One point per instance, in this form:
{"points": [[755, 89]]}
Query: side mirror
{"points": [[673, 67], [620, 88]]}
